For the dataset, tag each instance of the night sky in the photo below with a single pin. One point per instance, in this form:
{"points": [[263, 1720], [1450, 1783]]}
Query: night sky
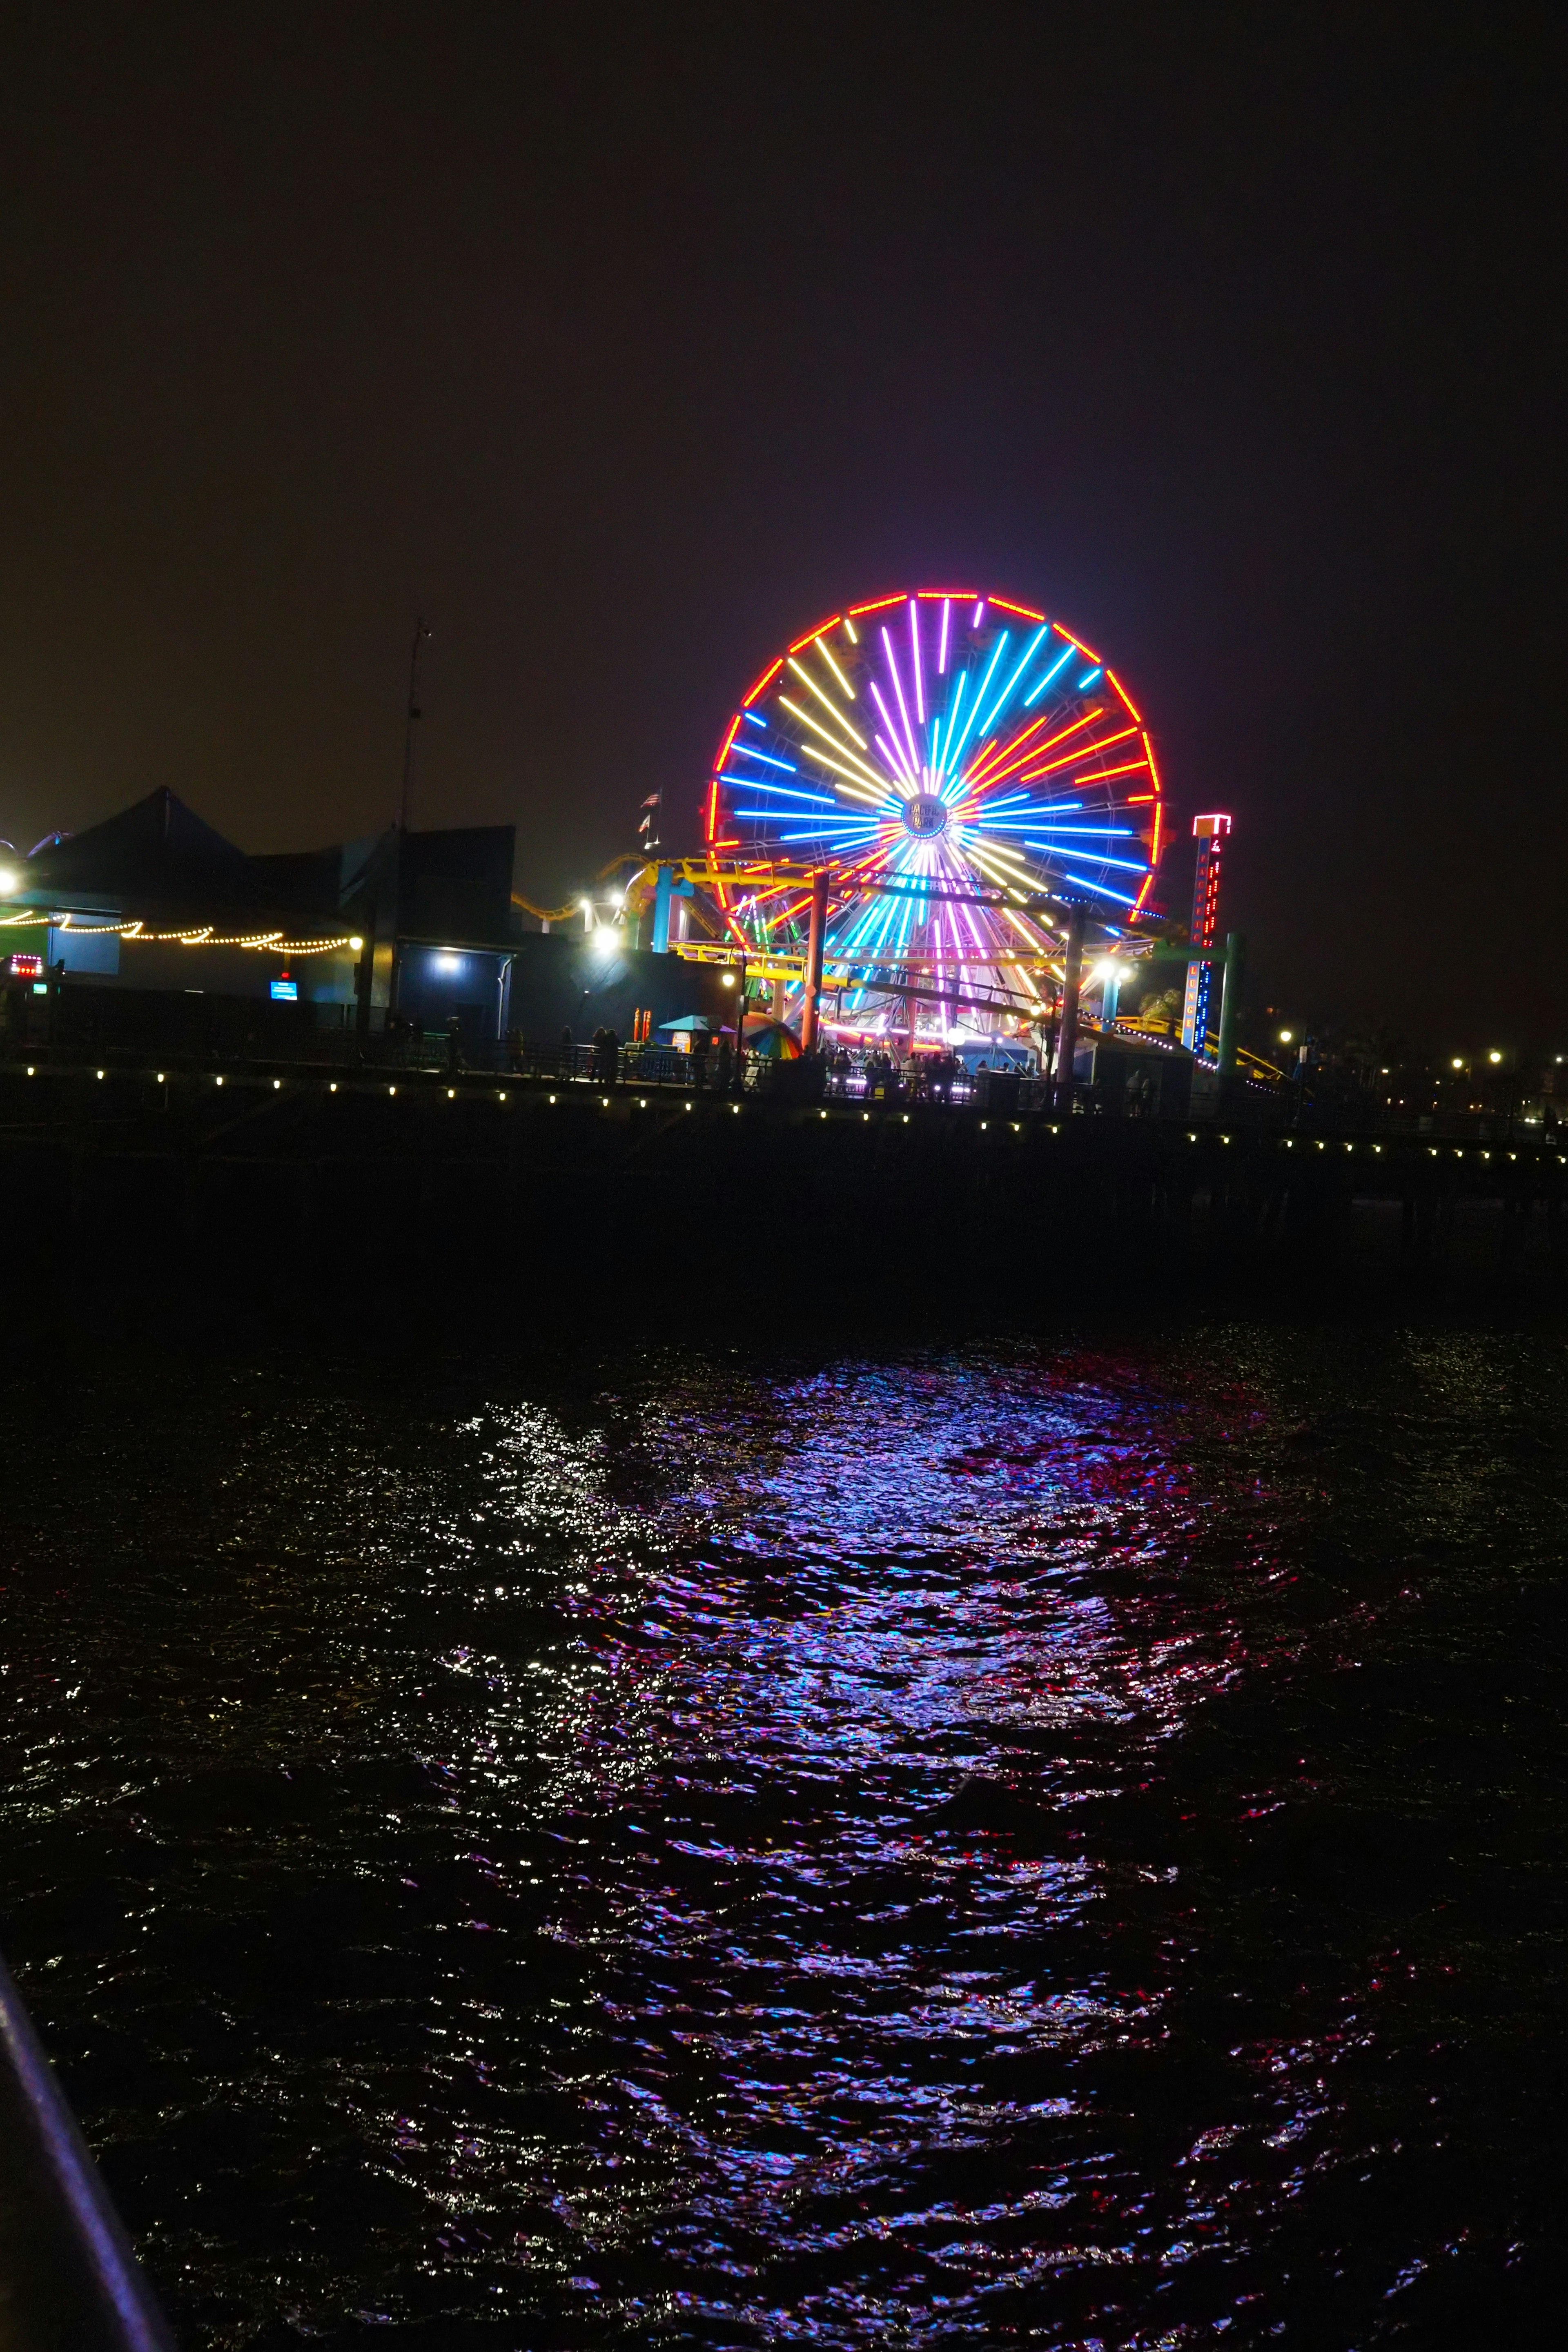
{"points": [[626, 344]]}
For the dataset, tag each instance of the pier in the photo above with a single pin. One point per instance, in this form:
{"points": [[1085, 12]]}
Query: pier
{"points": [[208, 1193]]}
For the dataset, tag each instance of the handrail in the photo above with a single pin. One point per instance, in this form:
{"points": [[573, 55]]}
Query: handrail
{"points": [[69, 2280]]}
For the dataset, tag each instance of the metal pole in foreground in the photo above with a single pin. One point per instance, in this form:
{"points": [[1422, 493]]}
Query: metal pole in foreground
{"points": [[70, 2281], [1230, 1001], [1072, 984], [740, 1036], [813, 948]]}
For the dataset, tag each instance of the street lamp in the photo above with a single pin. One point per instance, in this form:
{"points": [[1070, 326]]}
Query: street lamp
{"points": [[1494, 1057], [1287, 1036]]}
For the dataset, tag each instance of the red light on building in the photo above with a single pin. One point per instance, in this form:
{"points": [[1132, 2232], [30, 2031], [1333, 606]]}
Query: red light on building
{"points": [[27, 967]]}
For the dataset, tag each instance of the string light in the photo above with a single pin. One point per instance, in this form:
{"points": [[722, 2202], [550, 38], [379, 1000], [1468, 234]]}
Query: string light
{"points": [[199, 935]]}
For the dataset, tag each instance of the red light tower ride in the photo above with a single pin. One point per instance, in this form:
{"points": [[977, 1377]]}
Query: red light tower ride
{"points": [[1211, 832]]}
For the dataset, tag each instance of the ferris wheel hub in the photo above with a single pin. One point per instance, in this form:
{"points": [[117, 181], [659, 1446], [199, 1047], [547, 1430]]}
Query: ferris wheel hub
{"points": [[925, 815]]}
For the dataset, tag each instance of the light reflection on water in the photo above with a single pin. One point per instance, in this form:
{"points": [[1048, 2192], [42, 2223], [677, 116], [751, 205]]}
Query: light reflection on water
{"points": [[842, 1859], [900, 1637]]}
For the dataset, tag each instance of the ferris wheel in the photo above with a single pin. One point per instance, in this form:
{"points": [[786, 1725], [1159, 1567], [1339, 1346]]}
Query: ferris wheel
{"points": [[948, 756]]}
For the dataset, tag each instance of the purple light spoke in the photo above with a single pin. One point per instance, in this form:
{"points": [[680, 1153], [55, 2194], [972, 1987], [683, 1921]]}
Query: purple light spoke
{"points": [[941, 649], [895, 759], [903, 705]]}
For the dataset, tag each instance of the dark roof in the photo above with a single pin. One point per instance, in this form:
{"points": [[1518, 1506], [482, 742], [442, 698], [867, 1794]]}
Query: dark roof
{"points": [[159, 859], [157, 852]]}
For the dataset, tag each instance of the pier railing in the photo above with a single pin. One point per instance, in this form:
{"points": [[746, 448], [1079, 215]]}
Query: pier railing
{"points": [[69, 2280]]}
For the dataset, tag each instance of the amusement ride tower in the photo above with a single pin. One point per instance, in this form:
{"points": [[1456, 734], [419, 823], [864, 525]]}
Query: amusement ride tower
{"points": [[1211, 831]]}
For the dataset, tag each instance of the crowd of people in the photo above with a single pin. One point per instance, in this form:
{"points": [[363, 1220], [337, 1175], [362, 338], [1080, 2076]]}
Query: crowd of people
{"points": [[873, 1075]]}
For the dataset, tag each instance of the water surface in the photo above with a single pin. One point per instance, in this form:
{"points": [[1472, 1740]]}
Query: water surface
{"points": [[1026, 1843]]}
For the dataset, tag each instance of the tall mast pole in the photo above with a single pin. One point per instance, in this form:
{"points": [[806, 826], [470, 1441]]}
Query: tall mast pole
{"points": [[420, 633]]}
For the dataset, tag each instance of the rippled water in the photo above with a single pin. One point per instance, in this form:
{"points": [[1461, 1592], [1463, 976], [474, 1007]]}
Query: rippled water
{"points": [[1018, 1844]]}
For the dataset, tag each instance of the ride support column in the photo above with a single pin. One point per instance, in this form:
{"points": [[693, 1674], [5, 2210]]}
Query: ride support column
{"points": [[1230, 1000], [1072, 987], [815, 939]]}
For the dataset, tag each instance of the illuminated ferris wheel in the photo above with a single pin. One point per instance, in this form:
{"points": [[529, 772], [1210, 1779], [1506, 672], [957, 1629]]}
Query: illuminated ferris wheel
{"points": [[949, 756]]}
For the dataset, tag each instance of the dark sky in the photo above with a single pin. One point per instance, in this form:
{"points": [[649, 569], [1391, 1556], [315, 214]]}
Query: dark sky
{"points": [[626, 344]]}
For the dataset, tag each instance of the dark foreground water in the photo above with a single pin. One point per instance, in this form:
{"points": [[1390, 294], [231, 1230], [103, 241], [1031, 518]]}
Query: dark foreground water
{"points": [[1026, 1843]]}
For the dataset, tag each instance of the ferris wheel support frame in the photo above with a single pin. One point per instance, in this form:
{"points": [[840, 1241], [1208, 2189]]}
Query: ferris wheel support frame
{"points": [[810, 1013], [1072, 989]]}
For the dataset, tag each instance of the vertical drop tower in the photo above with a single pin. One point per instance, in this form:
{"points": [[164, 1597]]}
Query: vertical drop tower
{"points": [[1211, 831]]}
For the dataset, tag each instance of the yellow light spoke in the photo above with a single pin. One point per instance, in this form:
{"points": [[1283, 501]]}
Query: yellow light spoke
{"points": [[833, 666], [818, 729], [832, 708]]}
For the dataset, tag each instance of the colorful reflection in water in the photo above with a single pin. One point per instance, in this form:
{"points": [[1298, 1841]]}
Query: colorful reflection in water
{"points": [[979, 1848]]}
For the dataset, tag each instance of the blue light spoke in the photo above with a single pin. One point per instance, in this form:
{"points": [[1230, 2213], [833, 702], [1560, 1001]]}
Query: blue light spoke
{"points": [[1128, 864], [1060, 663], [950, 714], [778, 791], [822, 833], [1007, 694], [980, 692], [1101, 890], [744, 751], [1032, 823]]}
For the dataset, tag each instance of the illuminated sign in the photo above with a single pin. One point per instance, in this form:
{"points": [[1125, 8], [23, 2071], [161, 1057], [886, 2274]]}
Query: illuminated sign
{"points": [[286, 992], [27, 967]]}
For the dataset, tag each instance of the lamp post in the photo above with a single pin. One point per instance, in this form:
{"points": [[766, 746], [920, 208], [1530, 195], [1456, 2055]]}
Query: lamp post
{"points": [[741, 1033], [1072, 982]]}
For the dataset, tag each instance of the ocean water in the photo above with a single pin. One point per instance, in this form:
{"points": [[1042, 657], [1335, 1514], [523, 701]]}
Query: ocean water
{"points": [[1040, 1841]]}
